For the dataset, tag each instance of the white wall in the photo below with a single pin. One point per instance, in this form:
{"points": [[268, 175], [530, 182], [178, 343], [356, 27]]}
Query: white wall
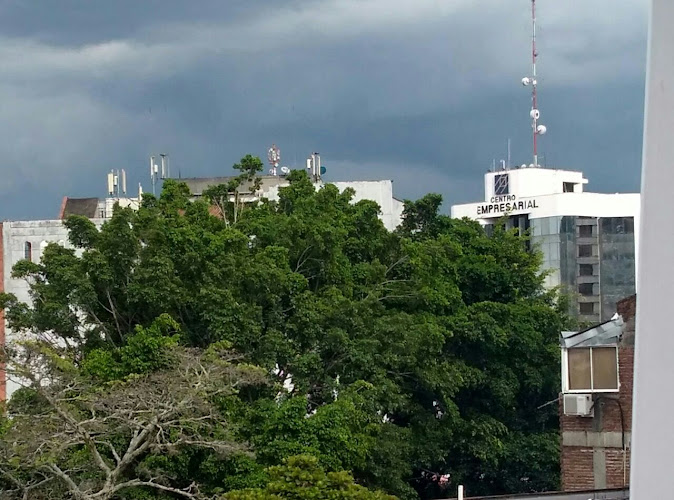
{"points": [[535, 181], [585, 204], [380, 192], [15, 234]]}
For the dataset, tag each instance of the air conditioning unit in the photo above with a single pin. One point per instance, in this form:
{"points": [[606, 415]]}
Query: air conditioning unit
{"points": [[580, 405]]}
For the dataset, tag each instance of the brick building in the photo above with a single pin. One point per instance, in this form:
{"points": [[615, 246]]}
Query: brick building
{"points": [[595, 421]]}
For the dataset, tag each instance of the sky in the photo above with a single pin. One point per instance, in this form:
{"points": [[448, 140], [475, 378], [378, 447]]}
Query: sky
{"points": [[423, 92]]}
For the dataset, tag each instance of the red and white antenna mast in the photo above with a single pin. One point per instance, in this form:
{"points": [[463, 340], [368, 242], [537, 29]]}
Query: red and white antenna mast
{"points": [[532, 80]]}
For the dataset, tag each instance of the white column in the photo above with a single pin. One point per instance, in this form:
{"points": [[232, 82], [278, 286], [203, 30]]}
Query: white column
{"points": [[652, 475]]}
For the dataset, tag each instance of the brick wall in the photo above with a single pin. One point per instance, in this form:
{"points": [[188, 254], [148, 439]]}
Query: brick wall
{"points": [[577, 468], [587, 465]]}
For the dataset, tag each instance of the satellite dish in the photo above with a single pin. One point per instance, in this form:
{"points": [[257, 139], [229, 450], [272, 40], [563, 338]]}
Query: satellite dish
{"points": [[541, 129], [524, 165], [526, 81], [285, 170], [535, 114]]}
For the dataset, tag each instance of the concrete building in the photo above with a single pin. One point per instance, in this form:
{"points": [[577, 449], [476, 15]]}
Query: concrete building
{"points": [[587, 239], [24, 240], [380, 191], [95, 208], [596, 402]]}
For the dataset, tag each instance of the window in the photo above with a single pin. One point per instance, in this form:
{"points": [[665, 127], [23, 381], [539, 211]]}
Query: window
{"points": [[28, 251], [585, 231], [586, 289], [585, 269], [591, 369], [569, 187], [501, 185], [585, 251], [586, 308]]}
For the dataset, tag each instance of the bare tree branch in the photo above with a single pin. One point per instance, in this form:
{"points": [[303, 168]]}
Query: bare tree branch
{"points": [[151, 415]]}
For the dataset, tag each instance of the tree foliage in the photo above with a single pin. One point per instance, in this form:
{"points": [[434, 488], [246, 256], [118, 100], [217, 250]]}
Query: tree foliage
{"points": [[72, 437], [405, 356], [302, 478]]}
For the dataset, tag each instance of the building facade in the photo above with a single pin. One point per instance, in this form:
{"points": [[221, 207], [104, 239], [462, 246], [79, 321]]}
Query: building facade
{"points": [[380, 191], [596, 439], [24, 240], [587, 240]]}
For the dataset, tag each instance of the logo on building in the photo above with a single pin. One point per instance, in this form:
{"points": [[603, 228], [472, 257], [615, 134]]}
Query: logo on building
{"points": [[501, 185]]}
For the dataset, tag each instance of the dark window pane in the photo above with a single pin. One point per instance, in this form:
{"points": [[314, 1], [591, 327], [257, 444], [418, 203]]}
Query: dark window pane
{"points": [[584, 250], [586, 289], [586, 269], [586, 308], [585, 231]]}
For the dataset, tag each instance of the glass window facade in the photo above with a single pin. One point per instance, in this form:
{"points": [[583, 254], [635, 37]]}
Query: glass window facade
{"points": [[617, 261], [591, 259]]}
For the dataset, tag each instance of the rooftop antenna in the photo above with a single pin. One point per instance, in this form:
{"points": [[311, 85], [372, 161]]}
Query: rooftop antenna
{"points": [[274, 157], [165, 174], [532, 80], [154, 173], [508, 162]]}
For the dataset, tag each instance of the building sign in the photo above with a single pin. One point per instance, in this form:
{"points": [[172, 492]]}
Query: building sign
{"points": [[501, 185], [500, 205]]}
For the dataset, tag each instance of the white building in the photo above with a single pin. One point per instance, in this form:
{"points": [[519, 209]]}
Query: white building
{"points": [[380, 191], [24, 240], [587, 239]]}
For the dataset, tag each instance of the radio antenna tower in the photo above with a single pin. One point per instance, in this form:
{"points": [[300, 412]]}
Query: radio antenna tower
{"points": [[532, 80]]}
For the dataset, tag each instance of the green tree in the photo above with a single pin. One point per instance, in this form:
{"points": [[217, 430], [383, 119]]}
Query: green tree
{"points": [[405, 356], [71, 437], [301, 478]]}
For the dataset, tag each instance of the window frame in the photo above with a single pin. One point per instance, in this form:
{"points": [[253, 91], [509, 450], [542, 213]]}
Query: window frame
{"points": [[580, 309], [592, 253], [28, 251], [592, 390], [583, 266]]}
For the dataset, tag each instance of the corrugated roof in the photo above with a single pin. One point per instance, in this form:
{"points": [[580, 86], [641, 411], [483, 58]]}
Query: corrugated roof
{"points": [[198, 185], [607, 333], [80, 206]]}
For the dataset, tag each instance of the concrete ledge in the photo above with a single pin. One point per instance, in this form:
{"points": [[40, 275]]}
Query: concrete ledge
{"points": [[596, 439]]}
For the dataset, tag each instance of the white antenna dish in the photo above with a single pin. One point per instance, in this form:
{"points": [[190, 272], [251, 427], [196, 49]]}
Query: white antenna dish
{"points": [[535, 114], [524, 165], [532, 165], [541, 130], [526, 81], [285, 170]]}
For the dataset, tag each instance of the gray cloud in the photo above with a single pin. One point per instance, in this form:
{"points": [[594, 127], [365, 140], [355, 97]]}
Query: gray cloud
{"points": [[425, 92]]}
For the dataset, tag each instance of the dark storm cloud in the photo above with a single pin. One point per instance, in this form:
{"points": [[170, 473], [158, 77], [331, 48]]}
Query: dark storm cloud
{"points": [[424, 92]]}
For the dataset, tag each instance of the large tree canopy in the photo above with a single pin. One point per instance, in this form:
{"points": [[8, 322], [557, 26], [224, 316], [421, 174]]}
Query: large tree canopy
{"points": [[405, 356]]}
